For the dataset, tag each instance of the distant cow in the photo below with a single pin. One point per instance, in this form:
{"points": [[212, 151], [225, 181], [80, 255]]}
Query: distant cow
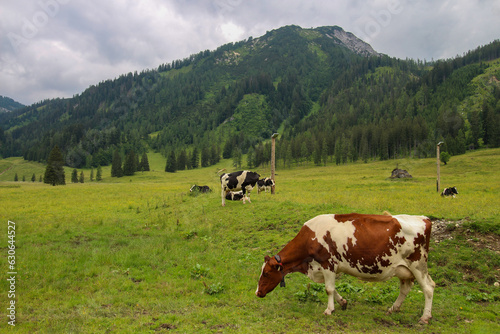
{"points": [[264, 185], [450, 192], [242, 180], [201, 189], [371, 247], [235, 195]]}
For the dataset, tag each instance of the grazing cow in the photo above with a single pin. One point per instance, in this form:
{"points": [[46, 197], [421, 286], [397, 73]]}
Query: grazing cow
{"points": [[450, 192], [242, 180], [371, 247], [235, 195], [264, 185], [201, 189]]}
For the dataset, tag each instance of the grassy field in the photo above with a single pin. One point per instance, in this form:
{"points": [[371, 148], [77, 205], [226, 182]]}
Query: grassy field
{"points": [[140, 254]]}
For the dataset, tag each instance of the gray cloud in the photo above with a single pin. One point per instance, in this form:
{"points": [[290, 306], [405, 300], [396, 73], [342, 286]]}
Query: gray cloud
{"points": [[57, 48]]}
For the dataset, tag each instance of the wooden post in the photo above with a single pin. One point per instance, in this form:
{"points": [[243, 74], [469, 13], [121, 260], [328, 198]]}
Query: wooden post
{"points": [[273, 158], [438, 181]]}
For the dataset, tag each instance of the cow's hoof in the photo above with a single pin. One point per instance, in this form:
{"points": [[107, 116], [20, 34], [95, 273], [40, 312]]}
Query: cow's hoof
{"points": [[328, 312], [424, 320], [343, 304]]}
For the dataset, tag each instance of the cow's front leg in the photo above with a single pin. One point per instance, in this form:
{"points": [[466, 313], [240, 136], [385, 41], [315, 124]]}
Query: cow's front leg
{"points": [[223, 195], [330, 291]]}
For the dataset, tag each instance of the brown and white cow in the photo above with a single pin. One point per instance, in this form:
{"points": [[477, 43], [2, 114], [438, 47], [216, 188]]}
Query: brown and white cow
{"points": [[371, 247], [242, 180]]}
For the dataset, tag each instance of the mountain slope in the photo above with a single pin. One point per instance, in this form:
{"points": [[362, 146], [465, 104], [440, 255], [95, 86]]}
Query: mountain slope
{"points": [[8, 104], [329, 91]]}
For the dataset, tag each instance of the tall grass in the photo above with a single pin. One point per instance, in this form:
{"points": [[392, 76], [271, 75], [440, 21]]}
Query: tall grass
{"points": [[140, 254]]}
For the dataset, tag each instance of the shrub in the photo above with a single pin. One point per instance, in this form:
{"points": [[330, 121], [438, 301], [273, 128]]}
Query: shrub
{"points": [[198, 271]]}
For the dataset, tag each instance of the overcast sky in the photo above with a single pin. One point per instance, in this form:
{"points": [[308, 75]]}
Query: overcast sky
{"points": [[57, 48]]}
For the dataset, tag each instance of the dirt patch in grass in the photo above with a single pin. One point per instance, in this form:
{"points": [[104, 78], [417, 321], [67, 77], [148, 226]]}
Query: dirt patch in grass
{"points": [[443, 229]]}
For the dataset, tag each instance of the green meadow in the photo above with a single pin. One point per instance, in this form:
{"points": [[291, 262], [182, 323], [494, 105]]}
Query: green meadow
{"points": [[141, 254]]}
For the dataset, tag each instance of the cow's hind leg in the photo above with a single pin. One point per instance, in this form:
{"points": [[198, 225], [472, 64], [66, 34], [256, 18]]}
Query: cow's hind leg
{"points": [[340, 300], [404, 288], [427, 285]]}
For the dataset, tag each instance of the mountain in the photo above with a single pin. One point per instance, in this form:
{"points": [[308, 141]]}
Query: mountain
{"points": [[329, 95], [8, 104]]}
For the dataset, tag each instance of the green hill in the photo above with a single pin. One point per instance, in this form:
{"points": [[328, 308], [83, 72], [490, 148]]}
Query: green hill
{"points": [[8, 104], [326, 91]]}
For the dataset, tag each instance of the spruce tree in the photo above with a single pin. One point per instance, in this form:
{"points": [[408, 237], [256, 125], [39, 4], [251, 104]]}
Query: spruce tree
{"points": [[99, 174], [129, 166], [116, 165], [144, 163], [91, 174], [74, 176], [54, 172], [205, 157], [82, 177], [182, 160], [16, 178], [171, 166], [33, 178], [195, 158]]}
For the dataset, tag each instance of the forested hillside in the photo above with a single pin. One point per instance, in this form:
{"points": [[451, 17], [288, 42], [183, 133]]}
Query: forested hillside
{"points": [[331, 97], [8, 104]]}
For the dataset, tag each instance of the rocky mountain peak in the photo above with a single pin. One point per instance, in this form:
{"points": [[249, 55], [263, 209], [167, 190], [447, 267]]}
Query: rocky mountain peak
{"points": [[352, 42]]}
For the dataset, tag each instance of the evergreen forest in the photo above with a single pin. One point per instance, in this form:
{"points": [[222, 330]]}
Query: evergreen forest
{"points": [[328, 102]]}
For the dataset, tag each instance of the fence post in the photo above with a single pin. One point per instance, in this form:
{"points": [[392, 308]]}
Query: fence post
{"points": [[273, 158], [438, 181]]}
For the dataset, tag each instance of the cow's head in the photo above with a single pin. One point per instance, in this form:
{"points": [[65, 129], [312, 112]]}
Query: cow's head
{"points": [[272, 274]]}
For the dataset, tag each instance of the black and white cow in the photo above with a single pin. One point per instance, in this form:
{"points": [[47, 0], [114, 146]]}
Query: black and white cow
{"points": [[242, 180], [234, 196], [201, 189], [450, 192], [265, 185]]}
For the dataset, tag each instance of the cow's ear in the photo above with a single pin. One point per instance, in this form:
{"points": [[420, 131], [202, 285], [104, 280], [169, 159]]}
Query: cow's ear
{"points": [[267, 258], [279, 267]]}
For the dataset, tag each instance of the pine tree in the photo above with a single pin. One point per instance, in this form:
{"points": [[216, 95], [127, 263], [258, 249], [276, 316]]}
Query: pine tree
{"points": [[237, 157], [74, 176], [171, 166], [324, 152], [144, 163], [54, 172], [99, 174], [129, 166], [182, 160], [16, 178], [91, 174], [82, 177], [195, 158], [317, 154], [205, 157], [33, 178], [116, 165]]}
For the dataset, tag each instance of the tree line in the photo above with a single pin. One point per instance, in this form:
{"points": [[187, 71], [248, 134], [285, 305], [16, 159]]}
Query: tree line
{"points": [[332, 104]]}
